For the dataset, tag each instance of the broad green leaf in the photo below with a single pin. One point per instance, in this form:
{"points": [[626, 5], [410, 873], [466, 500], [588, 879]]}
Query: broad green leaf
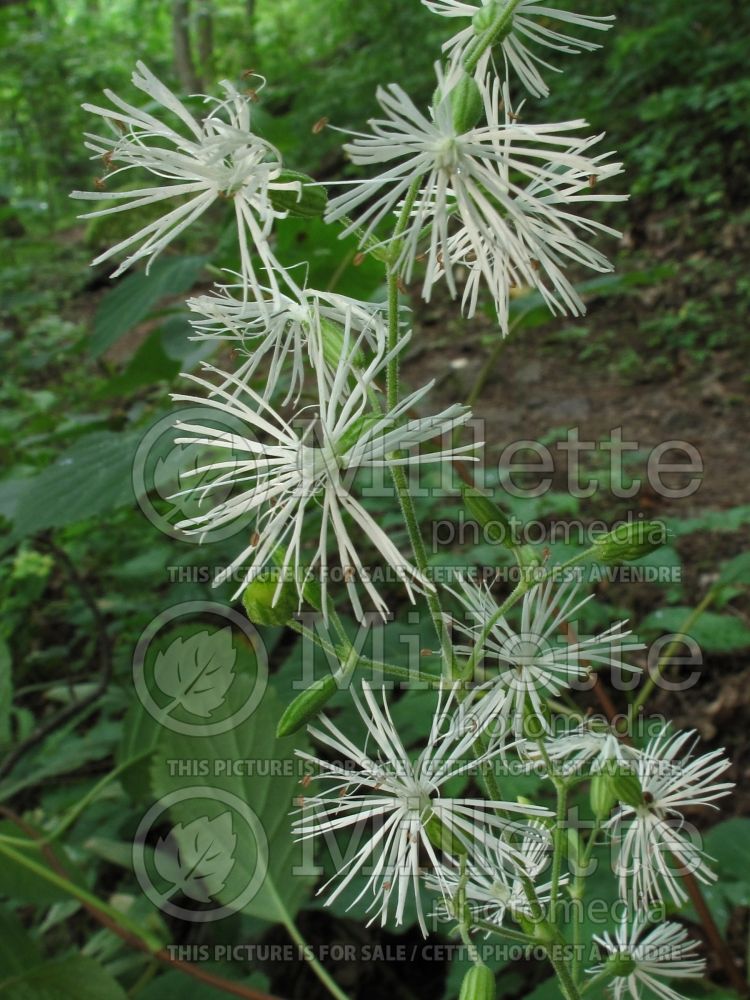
{"points": [[18, 950], [250, 764], [735, 570], [76, 978], [729, 844], [713, 632], [133, 298], [91, 477]]}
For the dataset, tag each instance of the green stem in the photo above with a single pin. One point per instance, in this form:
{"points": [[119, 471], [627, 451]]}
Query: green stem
{"points": [[577, 894], [655, 675], [121, 919], [508, 932], [322, 974], [450, 667], [336, 653], [77, 809], [567, 987], [598, 978]]}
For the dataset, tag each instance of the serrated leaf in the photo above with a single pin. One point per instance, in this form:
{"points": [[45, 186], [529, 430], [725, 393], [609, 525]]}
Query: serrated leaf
{"points": [[133, 298], [266, 780], [197, 672], [196, 858], [93, 476]]}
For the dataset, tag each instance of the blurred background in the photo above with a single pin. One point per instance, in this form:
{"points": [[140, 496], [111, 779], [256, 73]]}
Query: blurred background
{"points": [[661, 356]]}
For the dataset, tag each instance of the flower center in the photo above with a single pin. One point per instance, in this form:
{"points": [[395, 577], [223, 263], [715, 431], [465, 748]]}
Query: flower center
{"points": [[318, 463], [448, 155]]}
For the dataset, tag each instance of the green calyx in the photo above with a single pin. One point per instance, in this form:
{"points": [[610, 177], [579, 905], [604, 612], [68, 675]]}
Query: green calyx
{"points": [[267, 603], [620, 964], [478, 984]]}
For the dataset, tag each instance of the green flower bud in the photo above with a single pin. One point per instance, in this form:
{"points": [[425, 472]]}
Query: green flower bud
{"points": [[307, 705], [486, 15], [478, 984], [627, 787], [308, 201], [630, 541], [466, 104], [261, 607], [602, 796], [535, 726], [498, 528], [615, 783]]}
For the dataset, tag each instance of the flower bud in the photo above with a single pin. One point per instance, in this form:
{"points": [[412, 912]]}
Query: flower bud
{"points": [[466, 104], [616, 782], [630, 541], [602, 796], [478, 984], [486, 15], [497, 527], [307, 705], [265, 607], [307, 201]]}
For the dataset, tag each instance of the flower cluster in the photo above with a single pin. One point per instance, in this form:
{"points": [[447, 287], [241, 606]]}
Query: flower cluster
{"points": [[471, 193]]}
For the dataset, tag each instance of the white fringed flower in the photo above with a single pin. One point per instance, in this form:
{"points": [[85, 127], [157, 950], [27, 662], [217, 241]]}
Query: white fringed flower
{"points": [[286, 334], [287, 470], [215, 158], [500, 199], [590, 745], [491, 884], [530, 22], [396, 806], [637, 959], [653, 839], [535, 662]]}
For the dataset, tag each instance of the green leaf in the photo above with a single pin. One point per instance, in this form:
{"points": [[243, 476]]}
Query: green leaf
{"points": [[23, 886], [713, 632], [93, 476], [133, 298], [735, 570], [729, 844], [18, 950], [6, 693], [265, 778], [75, 978]]}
